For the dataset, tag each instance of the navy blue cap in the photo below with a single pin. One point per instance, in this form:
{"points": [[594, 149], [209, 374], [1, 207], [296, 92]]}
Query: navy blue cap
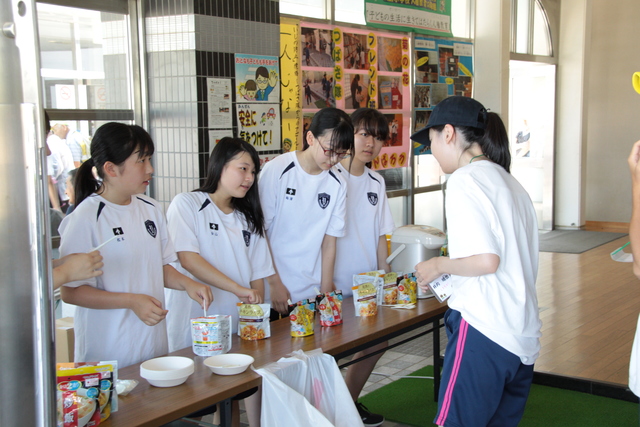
{"points": [[455, 111]]}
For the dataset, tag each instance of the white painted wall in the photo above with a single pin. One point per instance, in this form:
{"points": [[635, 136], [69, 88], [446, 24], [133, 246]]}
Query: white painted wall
{"points": [[613, 119], [571, 110]]}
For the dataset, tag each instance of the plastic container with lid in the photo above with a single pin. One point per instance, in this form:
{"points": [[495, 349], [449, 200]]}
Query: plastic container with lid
{"points": [[411, 244]]}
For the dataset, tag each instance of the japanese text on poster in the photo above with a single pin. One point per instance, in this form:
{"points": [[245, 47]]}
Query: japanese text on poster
{"points": [[259, 124], [219, 103]]}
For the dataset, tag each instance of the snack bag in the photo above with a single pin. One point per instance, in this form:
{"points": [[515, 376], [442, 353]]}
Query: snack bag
{"points": [[253, 323], [330, 308], [86, 394], [390, 292], [378, 282], [365, 295], [211, 335], [302, 319], [407, 290]]}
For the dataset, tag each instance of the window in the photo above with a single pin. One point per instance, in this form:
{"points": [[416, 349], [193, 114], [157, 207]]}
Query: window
{"points": [[85, 60], [530, 29]]}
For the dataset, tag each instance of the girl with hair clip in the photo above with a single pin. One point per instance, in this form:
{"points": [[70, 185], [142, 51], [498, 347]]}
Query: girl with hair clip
{"points": [[364, 245], [492, 322], [218, 232], [120, 313], [304, 203]]}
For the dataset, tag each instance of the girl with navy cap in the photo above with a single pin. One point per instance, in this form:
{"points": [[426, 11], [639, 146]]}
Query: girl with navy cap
{"points": [[492, 322]]}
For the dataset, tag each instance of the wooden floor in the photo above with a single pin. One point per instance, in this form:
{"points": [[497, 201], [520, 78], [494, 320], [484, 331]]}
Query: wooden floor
{"points": [[589, 306]]}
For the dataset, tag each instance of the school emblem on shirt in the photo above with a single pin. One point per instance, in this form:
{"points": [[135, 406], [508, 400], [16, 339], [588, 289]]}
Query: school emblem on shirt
{"points": [[118, 231], [213, 226], [290, 193], [151, 228], [323, 200], [247, 237], [373, 198]]}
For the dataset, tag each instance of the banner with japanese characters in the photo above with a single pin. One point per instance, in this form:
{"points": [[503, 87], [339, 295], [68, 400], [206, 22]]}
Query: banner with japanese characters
{"points": [[290, 85], [421, 16], [259, 124], [443, 68], [350, 68]]}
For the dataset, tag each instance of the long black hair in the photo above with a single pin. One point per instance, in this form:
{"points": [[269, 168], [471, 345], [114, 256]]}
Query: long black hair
{"points": [[113, 142], [335, 121], [226, 150], [493, 141]]}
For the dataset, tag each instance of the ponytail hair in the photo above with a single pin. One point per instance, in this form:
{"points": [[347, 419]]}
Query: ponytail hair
{"points": [[495, 142], [113, 142], [335, 122], [226, 150]]}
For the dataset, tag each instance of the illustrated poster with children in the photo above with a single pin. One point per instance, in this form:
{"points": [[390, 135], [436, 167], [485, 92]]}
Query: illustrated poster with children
{"points": [[443, 68], [257, 78], [258, 100], [349, 68]]}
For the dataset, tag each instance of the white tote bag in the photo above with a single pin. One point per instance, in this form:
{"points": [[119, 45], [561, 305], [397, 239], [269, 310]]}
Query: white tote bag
{"points": [[306, 389]]}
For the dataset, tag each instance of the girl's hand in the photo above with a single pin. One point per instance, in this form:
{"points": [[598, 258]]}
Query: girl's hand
{"points": [[148, 309], [75, 267], [426, 272], [249, 296], [279, 296], [199, 292]]}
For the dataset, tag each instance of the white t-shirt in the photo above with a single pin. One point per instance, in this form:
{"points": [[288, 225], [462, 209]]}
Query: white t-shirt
{"points": [[488, 211], [368, 218], [133, 263], [59, 164], [299, 209], [196, 224]]}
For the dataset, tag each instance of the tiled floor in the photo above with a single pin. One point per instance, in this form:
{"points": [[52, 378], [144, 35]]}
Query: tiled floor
{"points": [[394, 363]]}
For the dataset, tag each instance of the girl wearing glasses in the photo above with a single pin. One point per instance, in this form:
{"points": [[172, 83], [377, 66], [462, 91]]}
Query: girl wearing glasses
{"points": [[304, 202]]}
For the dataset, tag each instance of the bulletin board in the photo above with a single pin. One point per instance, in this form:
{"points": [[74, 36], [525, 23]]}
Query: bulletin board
{"points": [[349, 68], [443, 68]]}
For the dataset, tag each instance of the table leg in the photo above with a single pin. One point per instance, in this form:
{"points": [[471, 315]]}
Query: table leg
{"points": [[225, 412], [436, 359]]}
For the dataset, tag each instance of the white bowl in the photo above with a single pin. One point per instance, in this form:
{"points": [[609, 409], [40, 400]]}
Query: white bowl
{"points": [[228, 364], [167, 371]]}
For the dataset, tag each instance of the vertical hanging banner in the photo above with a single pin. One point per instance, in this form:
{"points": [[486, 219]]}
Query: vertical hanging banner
{"points": [[421, 16], [290, 85], [443, 68]]}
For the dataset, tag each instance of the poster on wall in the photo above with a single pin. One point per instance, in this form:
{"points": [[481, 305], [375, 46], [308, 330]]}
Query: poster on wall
{"points": [[349, 68], [216, 135], [259, 124], [426, 17], [257, 78], [219, 103], [442, 68]]}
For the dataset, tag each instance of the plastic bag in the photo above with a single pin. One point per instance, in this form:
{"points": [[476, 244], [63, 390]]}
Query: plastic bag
{"points": [[306, 389], [634, 363]]}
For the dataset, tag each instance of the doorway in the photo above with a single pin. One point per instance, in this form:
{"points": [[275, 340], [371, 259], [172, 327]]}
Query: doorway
{"points": [[531, 133]]}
